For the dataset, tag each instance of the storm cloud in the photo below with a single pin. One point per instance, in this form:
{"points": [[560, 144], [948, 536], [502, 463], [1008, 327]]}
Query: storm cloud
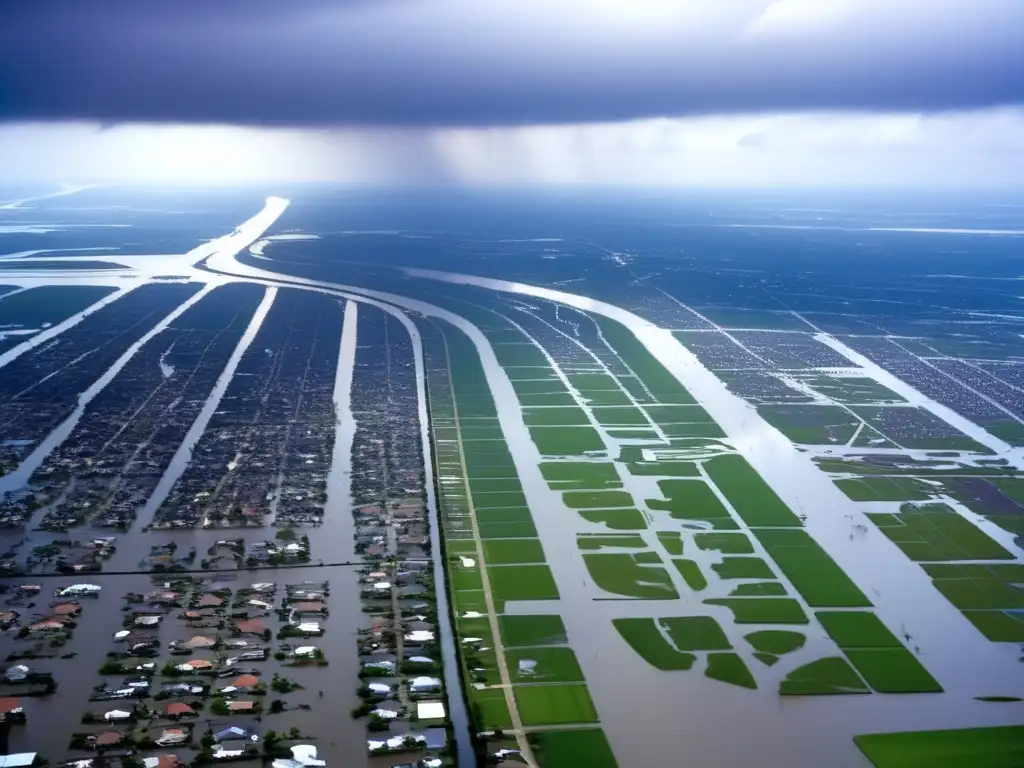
{"points": [[436, 63]]}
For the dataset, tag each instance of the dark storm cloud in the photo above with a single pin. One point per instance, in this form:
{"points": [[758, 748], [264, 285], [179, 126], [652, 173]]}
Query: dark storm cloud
{"points": [[492, 62]]}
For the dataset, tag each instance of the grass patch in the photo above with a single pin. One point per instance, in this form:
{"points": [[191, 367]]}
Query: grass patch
{"points": [[696, 633], [543, 665], [812, 424], [597, 499], [581, 474], [503, 530], [519, 353], [743, 568], [541, 629], [554, 704], [672, 541], [998, 626], [777, 642], [999, 747], [547, 399], [892, 670], [824, 677], [691, 573], [677, 414], [555, 417], [621, 574], [857, 629], [504, 551], [489, 708], [522, 582], [754, 501], [759, 589], [821, 582], [937, 532], [616, 519], [729, 668], [662, 468], [886, 488], [644, 637], [498, 499], [762, 610], [729, 543], [690, 500], [592, 541], [566, 441], [619, 416], [583, 747]]}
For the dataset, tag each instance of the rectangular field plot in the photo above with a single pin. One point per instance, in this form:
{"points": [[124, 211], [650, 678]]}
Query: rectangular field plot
{"points": [[749, 494], [812, 424], [857, 629], [892, 670], [913, 427], [25, 314], [506, 551], [886, 488], [566, 441], [762, 610], [580, 475], [851, 389], [555, 417], [490, 709], [729, 543], [581, 747], [543, 665], [692, 500], [519, 354], [662, 384], [554, 704], [597, 499], [821, 582], [980, 587], [498, 529], [1000, 747], [695, 633], [935, 532], [677, 414], [998, 626], [619, 416], [620, 519], [519, 631], [522, 582]]}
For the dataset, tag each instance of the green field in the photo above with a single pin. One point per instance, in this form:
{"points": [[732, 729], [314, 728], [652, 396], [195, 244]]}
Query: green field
{"points": [[644, 637], [892, 670], [584, 747], [507, 530], [620, 519], [541, 629], [935, 532], [505, 551], [522, 582], [729, 668], [566, 441], [729, 543], [597, 499], [691, 500], [762, 610], [554, 704], [696, 633], [543, 665], [776, 641], [595, 541], [875, 488], [812, 424], [754, 501], [998, 626], [621, 574], [821, 582], [489, 708], [580, 475], [999, 747], [691, 573], [672, 541], [760, 588], [555, 417], [743, 568], [857, 629], [824, 677]]}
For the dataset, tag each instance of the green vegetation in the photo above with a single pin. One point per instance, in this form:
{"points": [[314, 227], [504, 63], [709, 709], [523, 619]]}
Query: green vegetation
{"points": [[580, 475], [619, 416], [729, 668], [48, 304], [597, 499], [566, 441], [936, 532], [849, 390], [620, 519], [812, 424], [583, 747], [519, 353], [661, 468], [692, 500], [729, 543], [857, 629], [999, 747], [776, 641], [591, 541], [760, 588], [644, 637], [892, 670], [522, 582], [554, 704], [500, 500], [622, 575], [538, 629], [543, 665], [754, 501], [696, 633], [662, 384], [691, 573], [886, 488], [490, 709], [555, 417], [826, 676], [503, 530], [821, 582], [998, 626], [677, 414], [762, 610], [672, 541], [503, 551], [743, 568]]}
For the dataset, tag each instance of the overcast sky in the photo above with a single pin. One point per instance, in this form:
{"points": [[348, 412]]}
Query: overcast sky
{"points": [[480, 91]]}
